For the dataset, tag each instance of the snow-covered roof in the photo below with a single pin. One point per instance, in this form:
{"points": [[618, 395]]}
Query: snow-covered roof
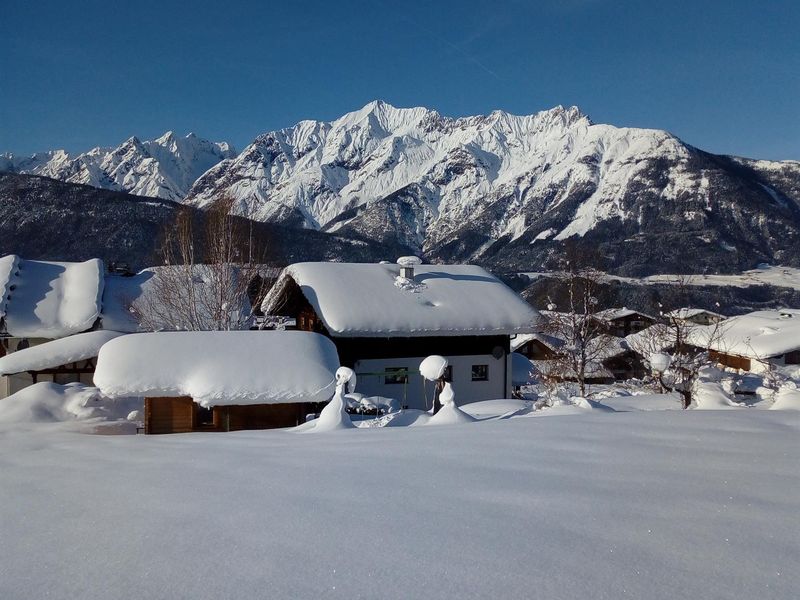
{"points": [[688, 313], [120, 292], [220, 367], [549, 341], [55, 353], [655, 338], [612, 314], [372, 300], [760, 334], [50, 299], [144, 292]]}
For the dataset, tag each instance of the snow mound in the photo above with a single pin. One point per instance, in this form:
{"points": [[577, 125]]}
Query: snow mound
{"points": [[502, 408], [334, 416], [710, 395], [433, 367], [450, 413], [408, 417], [787, 398], [47, 402]]}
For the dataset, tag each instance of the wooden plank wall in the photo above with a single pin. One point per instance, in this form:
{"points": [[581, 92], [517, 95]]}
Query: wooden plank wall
{"points": [[177, 415], [730, 360], [168, 415]]}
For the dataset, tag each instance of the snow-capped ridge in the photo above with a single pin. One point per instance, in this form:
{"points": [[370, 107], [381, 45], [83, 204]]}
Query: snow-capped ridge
{"points": [[163, 168]]}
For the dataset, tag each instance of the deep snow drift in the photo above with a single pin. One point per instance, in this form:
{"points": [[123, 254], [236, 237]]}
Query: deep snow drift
{"points": [[654, 505]]}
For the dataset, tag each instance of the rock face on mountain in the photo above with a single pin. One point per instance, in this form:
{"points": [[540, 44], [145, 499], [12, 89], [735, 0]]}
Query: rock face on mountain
{"points": [[502, 190], [162, 168], [45, 219], [507, 190]]}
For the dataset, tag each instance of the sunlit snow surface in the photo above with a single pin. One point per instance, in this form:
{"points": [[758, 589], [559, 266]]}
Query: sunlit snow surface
{"points": [[592, 504]]}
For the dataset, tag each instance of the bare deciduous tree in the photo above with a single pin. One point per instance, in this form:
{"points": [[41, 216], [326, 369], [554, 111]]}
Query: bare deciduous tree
{"points": [[687, 344], [206, 281], [584, 333]]}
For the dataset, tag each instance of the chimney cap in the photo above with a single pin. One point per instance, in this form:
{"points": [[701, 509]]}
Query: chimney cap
{"points": [[409, 261]]}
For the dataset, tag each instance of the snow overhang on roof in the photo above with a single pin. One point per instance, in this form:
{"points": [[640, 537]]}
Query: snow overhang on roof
{"points": [[50, 299], [220, 367], [371, 300], [55, 353], [760, 334]]}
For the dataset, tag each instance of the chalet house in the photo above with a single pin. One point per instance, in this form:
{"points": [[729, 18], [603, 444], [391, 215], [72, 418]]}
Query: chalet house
{"points": [[43, 301], [696, 316], [385, 318], [537, 346], [617, 362], [622, 322], [195, 381], [754, 342]]}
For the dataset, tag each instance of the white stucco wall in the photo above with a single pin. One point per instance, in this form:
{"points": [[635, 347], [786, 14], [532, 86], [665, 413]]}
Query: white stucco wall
{"points": [[416, 395]]}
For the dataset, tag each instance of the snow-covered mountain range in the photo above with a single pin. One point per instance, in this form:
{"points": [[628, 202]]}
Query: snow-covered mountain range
{"points": [[162, 168], [499, 189]]}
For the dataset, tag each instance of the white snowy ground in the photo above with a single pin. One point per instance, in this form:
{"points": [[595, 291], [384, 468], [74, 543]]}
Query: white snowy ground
{"points": [[592, 504], [779, 276]]}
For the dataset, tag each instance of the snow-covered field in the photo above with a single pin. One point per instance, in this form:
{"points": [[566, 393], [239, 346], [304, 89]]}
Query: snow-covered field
{"points": [[574, 503], [779, 276]]}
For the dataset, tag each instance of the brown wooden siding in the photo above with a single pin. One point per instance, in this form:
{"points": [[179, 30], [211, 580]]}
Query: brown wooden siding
{"points": [[179, 415], [258, 416], [730, 360], [168, 415]]}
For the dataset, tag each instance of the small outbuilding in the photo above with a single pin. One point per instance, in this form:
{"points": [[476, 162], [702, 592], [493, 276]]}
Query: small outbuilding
{"points": [[220, 380]]}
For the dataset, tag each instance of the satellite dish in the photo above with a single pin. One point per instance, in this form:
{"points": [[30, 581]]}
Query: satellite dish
{"points": [[498, 352]]}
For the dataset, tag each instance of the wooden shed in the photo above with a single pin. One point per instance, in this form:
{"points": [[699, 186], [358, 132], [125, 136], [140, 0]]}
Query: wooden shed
{"points": [[184, 415], [220, 380]]}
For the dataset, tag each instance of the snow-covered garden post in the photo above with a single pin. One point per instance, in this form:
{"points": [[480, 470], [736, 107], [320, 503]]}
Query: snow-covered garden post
{"points": [[660, 362], [335, 415], [433, 368]]}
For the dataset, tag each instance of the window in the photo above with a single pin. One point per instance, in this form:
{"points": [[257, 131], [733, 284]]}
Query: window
{"points": [[396, 375], [480, 372]]}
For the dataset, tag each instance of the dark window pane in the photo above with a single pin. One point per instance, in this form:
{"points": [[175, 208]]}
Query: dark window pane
{"points": [[480, 372], [396, 375]]}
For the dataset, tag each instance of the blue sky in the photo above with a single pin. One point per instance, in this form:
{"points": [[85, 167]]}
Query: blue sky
{"points": [[723, 76]]}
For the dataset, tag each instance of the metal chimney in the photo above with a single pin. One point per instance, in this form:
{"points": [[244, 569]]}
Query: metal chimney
{"points": [[407, 264]]}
